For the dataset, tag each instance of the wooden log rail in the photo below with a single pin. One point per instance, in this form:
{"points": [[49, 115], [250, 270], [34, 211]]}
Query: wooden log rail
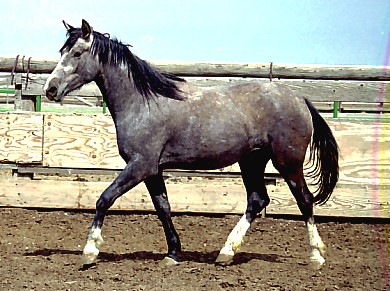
{"points": [[253, 70], [62, 143]]}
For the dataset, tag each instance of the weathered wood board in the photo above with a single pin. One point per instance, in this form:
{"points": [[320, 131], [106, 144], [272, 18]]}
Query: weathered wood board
{"points": [[314, 90], [21, 138], [80, 141], [346, 91], [282, 71], [365, 151], [206, 197]]}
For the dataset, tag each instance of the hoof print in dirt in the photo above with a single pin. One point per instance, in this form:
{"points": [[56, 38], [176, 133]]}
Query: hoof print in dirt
{"points": [[85, 267]]}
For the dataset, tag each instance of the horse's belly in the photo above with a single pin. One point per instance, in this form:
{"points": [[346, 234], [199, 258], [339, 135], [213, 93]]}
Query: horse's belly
{"points": [[206, 154]]}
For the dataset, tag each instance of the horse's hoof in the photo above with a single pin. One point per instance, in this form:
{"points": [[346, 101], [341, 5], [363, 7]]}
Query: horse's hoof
{"points": [[316, 265], [90, 253], [168, 261], [224, 259], [316, 260], [99, 242], [87, 259], [225, 256]]}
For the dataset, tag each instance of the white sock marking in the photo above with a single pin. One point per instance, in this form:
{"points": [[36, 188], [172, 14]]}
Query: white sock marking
{"points": [[236, 237], [317, 247], [91, 249]]}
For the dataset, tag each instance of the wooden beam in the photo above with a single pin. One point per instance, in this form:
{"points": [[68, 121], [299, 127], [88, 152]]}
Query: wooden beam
{"points": [[38, 66], [314, 90], [345, 91], [204, 197], [281, 71], [365, 107], [209, 69]]}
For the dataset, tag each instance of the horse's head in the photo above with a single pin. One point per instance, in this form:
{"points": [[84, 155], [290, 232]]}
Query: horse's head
{"points": [[77, 65]]}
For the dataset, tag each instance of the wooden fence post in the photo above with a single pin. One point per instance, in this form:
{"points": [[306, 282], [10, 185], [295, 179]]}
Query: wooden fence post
{"points": [[18, 97], [29, 102], [24, 102]]}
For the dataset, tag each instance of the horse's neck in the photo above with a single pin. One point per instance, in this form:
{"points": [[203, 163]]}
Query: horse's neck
{"points": [[118, 90]]}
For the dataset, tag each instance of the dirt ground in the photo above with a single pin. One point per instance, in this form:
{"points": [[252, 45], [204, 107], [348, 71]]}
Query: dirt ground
{"points": [[40, 250]]}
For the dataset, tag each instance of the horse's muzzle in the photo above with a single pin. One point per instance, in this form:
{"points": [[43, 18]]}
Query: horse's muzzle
{"points": [[51, 94]]}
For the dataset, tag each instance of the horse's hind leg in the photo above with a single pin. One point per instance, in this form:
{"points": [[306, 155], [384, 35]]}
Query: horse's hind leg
{"points": [[158, 193], [252, 171], [304, 198]]}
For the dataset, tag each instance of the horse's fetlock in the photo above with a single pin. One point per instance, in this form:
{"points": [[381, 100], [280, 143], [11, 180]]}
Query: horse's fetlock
{"points": [[256, 203]]}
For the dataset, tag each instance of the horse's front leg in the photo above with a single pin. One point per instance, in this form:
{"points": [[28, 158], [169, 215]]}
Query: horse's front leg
{"points": [[158, 193], [131, 175]]}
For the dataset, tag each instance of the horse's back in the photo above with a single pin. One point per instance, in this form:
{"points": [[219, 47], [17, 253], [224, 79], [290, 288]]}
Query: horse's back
{"points": [[267, 110]]}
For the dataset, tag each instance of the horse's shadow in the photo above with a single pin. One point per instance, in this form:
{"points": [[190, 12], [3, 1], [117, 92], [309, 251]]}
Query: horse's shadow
{"points": [[185, 256]]}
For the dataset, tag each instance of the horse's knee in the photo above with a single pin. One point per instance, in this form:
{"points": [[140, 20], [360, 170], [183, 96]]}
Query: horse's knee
{"points": [[103, 203]]}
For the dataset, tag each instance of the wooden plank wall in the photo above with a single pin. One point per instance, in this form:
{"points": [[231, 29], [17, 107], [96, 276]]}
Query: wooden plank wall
{"points": [[88, 141], [80, 141], [67, 142], [21, 138]]}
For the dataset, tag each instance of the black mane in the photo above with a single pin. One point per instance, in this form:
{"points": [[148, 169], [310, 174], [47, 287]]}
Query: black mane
{"points": [[147, 80]]}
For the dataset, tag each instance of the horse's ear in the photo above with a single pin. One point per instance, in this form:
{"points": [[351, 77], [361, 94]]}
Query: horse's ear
{"points": [[86, 29], [67, 26]]}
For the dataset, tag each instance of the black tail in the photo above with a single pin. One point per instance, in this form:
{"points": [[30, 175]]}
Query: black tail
{"points": [[324, 157]]}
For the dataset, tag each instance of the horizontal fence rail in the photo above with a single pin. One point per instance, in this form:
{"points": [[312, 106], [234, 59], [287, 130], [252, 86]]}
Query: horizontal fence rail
{"points": [[209, 69], [314, 90], [336, 88]]}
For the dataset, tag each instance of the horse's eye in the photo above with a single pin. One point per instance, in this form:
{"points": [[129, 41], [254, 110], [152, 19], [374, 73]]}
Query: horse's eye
{"points": [[77, 54]]}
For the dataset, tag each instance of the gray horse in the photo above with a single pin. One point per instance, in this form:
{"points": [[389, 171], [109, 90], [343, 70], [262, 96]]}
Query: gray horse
{"points": [[164, 123]]}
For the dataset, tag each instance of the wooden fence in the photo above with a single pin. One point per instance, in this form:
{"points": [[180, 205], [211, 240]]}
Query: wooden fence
{"points": [[61, 160]]}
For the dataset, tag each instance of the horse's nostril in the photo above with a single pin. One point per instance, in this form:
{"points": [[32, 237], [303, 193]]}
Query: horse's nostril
{"points": [[51, 92]]}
